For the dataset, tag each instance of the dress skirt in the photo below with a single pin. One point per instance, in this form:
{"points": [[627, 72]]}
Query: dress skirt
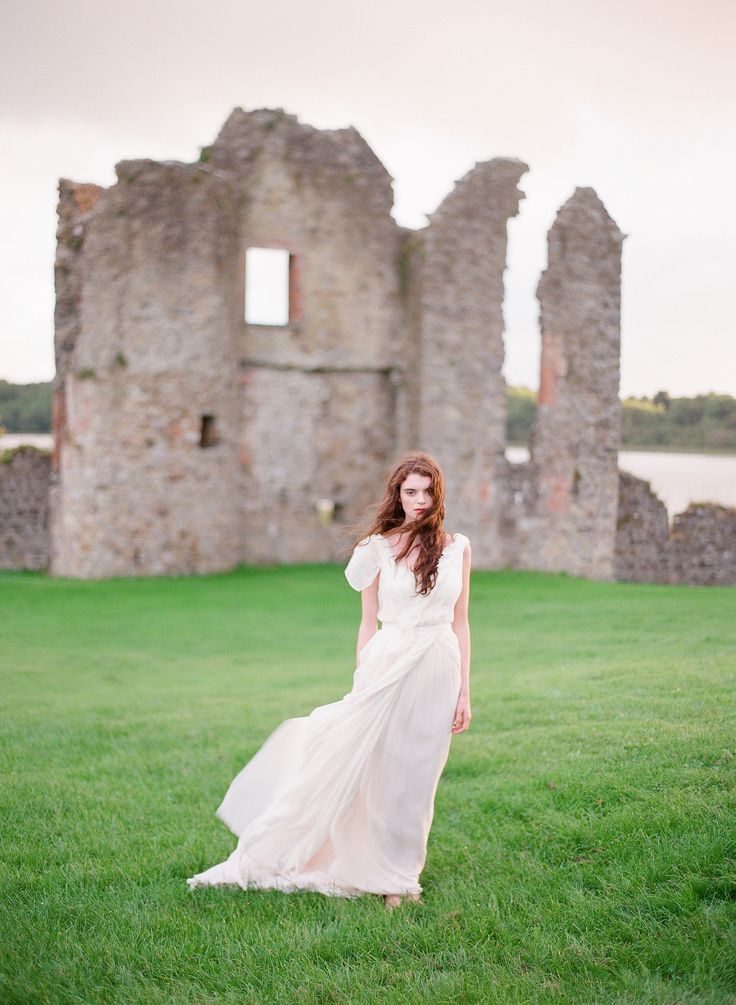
{"points": [[341, 801]]}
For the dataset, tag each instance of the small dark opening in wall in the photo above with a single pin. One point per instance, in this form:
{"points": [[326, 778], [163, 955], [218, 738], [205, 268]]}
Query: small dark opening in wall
{"points": [[208, 436]]}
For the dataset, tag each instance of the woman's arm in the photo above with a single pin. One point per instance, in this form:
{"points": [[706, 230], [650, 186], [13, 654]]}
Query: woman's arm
{"points": [[461, 627], [369, 615]]}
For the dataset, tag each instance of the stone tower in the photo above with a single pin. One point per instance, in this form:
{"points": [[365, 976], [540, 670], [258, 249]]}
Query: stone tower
{"points": [[575, 438]]}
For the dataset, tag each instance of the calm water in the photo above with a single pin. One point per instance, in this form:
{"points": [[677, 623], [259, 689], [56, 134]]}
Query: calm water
{"points": [[678, 479], [44, 440]]}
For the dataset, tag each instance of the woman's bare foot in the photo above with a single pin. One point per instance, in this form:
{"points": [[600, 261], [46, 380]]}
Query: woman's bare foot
{"points": [[392, 900]]}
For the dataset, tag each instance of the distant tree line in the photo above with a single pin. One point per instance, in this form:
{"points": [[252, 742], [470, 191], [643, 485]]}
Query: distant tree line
{"points": [[705, 422], [25, 408], [521, 407]]}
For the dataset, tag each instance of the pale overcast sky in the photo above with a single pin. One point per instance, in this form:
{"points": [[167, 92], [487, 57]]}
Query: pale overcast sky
{"points": [[635, 98]]}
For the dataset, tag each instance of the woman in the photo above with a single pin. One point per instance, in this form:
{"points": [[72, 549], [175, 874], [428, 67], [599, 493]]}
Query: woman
{"points": [[341, 801]]}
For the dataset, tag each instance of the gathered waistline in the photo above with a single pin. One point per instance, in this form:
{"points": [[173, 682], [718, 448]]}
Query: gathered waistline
{"points": [[440, 627]]}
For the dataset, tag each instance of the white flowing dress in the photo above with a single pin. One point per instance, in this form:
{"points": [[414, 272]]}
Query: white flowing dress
{"points": [[341, 801]]}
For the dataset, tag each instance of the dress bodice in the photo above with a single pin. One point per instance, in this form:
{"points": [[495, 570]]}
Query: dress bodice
{"points": [[398, 600]]}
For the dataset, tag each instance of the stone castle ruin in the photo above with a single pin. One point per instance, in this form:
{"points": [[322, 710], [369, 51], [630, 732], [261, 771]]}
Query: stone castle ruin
{"points": [[189, 440]]}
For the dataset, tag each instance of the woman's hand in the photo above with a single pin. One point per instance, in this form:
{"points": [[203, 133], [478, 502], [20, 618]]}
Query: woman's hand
{"points": [[462, 718]]}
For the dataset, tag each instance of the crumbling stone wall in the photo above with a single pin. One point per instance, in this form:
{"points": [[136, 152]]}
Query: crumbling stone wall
{"points": [[152, 339], [148, 348], [642, 533], [569, 522], [319, 398], [460, 393], [703, 545], [24, 494], [698, 548]]}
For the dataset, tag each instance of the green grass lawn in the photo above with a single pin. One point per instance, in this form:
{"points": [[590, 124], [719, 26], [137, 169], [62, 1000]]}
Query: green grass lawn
{"points": [[584, 840]]}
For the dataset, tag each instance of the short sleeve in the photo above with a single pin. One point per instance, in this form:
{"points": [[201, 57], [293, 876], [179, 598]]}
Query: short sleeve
{"points": [[461, 541], [363, 566]]}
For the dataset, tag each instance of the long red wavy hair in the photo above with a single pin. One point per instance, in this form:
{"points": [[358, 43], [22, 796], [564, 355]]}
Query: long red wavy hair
{"points": [[428, 530]]}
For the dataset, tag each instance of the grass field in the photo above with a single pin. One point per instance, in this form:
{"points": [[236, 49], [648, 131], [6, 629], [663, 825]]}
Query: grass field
{"points": [[584, 841]]}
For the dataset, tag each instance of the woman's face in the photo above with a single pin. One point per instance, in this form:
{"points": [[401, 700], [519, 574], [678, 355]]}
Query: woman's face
{"points": [[416, 498]]}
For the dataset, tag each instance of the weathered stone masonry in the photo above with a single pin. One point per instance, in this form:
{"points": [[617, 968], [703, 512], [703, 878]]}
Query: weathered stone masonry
{"points": [[24, 517], [188, 441], [699, 547], [567, 517], [460, 394]]}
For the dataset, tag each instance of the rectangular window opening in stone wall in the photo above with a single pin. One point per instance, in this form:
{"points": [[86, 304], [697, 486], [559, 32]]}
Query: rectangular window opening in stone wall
{"points": [[272, 295], [208, 436]]}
